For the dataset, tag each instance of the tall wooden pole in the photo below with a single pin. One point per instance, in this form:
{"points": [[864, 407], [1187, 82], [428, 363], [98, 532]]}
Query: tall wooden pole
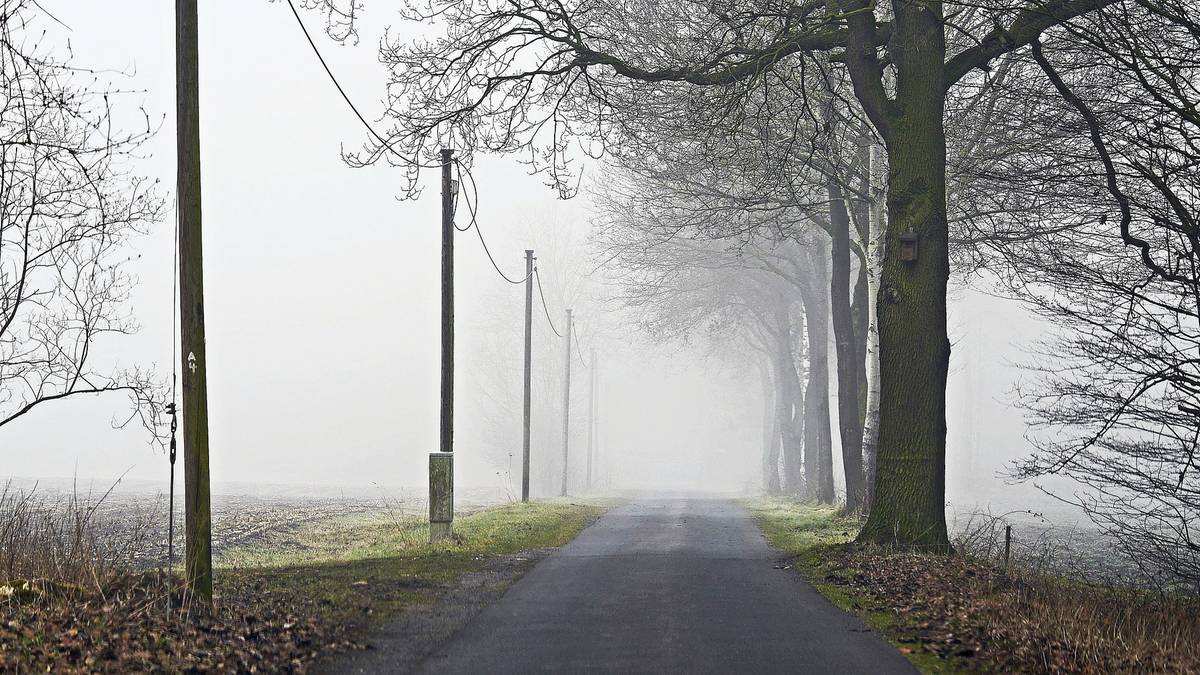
{"points": [[566, 414], [197, 512], [446, 443], [441, 463], [591, 446], [528, 374]]}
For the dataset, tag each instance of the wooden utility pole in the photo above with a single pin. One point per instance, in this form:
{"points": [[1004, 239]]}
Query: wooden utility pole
{"points": [[441, 463], [591, 446], [566, 416], [446, 443], [197, 511], [528, 373]]}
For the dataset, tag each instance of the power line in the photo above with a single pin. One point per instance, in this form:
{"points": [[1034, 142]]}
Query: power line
{"points": [[454, 207], [538, 278], [386, 143], [475, 223], [471, 207], [578, 349]]}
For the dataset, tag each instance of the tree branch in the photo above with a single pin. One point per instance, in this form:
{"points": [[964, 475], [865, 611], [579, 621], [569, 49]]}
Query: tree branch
{"points": [[1024, 30]]}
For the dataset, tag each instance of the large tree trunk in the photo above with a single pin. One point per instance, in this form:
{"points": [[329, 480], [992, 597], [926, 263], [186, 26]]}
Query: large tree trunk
{"points": [[770, 456], [861, 306], [794, 463], [914, 355], [877, 229], [862, 325], [818, 442], [791, 402], [849, 424], [791, 444]]}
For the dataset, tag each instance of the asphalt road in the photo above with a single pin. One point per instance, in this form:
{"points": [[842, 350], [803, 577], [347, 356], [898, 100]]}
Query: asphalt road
{"points": [[665, 586]]}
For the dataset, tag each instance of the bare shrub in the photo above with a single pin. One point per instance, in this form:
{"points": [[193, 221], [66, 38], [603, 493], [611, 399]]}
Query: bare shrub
{"points": [[1049, 604], [63, 539], [979, 615]]}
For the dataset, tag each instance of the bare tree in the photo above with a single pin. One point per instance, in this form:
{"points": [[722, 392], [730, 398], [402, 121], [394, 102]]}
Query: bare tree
{"points": [[1108, 250], [69, 207]]}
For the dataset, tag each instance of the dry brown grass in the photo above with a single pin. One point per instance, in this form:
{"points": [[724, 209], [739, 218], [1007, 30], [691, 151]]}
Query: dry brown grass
{"points": [[978, 614], [72, 600], [980, 617], [1049, 611], [60, 539]]}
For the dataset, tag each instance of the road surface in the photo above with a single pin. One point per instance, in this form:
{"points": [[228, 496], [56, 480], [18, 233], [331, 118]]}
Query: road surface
{"points": [[665, 586]]}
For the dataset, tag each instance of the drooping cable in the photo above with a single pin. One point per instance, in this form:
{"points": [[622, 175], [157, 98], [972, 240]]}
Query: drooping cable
{"points": [[538, 278], [391, 148], [346, 97], [472, 204], [475, 223], [578, 348], [454, 207]]}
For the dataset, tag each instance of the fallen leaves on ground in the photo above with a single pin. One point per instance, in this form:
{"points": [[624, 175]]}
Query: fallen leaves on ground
{"points": [[126, 627], [979, 617]]}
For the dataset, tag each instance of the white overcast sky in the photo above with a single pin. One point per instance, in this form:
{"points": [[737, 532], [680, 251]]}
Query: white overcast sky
{"points": [[322, 291]]}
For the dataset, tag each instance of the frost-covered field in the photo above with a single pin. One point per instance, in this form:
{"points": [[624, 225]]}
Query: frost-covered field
{"points": [[243, 513], [1047, 534]]}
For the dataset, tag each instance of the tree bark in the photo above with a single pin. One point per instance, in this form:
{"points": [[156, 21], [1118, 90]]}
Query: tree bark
{"points": [[860, 308], [909, 508], [791, 402], [877, 229], [770, 456], [818, 442], [849, 424]]}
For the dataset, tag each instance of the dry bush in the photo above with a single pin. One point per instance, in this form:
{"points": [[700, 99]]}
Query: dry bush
{"points": [[1040, 613], [1099, 629], [63, 539], [76, 597], [1093, 618]]}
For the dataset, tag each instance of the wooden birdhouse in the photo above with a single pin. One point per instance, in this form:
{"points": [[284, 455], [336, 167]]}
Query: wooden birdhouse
{"points": [[908, 245]]}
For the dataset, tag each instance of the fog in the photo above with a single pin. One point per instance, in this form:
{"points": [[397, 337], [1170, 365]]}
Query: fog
{"points": [[322, 304]]}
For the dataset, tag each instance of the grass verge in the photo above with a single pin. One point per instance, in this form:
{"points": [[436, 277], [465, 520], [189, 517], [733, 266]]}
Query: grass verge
{"points": [[967, 612], [354, 572], [809, 535]]}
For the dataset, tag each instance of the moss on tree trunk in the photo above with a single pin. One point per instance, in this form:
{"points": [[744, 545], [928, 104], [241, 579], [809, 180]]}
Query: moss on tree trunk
{"points": [[909, 498]]}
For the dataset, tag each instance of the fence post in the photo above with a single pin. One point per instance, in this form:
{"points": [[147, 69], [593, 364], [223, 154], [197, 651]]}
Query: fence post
{"points": [[1007, 544]]}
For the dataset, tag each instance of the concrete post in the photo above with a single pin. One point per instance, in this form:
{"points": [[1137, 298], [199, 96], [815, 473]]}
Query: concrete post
{"points": [[566, 409], [528, 374], [441, 496]]}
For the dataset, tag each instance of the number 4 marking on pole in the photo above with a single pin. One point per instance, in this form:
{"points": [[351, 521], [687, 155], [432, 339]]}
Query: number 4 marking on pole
{"points": [[192, 361]]}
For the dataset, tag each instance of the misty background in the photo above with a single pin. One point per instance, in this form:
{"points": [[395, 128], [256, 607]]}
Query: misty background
{"points": [[323, 303]]}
